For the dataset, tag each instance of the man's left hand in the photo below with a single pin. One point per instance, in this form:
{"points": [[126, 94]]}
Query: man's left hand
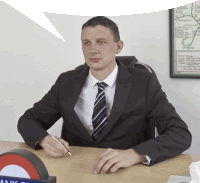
{"points": [[113, 159]]}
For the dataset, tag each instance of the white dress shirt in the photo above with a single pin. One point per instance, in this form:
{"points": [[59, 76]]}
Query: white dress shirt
{"points": [[85, 103]]}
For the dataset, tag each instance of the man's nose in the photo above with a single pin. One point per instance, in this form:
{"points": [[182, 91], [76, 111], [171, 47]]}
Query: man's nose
{"points": [[93, 49]]}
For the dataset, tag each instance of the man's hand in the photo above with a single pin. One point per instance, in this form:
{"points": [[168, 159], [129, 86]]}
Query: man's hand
{"points": [[53, 148], [113, 159]]}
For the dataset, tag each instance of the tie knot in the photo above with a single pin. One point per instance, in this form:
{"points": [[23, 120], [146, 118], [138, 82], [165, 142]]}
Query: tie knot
{"points": [[102, 85]]}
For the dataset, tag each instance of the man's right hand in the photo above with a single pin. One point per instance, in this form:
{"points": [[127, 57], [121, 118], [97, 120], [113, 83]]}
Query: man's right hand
{"points": [[53, 148]]}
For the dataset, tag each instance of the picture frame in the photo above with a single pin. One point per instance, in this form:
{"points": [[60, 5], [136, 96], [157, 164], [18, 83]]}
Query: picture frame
{"points": [[184, 32]]}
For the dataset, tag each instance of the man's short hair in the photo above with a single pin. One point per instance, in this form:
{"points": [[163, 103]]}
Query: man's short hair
{"points": [[102, 20]]}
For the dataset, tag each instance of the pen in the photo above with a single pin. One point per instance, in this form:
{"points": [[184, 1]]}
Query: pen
{"points": [[61, 144]]}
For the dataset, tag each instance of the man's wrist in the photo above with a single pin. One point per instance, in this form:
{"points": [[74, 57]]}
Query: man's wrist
{"points": [[140, 157]]}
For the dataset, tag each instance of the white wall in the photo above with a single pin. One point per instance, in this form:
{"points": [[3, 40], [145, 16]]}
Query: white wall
{"points": [[31, 59]]}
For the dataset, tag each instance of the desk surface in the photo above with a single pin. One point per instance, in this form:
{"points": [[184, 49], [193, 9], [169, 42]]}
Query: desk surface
{"points": [[78, 167]]}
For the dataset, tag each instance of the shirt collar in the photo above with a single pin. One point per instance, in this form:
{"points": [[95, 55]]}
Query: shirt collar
{"points": [[110, 80]]}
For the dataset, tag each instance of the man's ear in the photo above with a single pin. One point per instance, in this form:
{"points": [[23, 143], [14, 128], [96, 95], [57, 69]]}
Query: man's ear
{"points": [[120, 46]]}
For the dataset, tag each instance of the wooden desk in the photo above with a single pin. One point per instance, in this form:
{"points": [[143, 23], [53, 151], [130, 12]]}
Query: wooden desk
{"points": [[78, 167]]}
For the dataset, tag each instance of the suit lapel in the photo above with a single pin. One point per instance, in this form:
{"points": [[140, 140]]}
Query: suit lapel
{"points": [[76, 87], [122, 91]]}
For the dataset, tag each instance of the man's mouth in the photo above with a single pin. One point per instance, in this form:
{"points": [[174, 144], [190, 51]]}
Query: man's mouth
{"points": [[94, 59]]}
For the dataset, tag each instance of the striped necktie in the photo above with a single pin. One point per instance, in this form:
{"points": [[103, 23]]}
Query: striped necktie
{"points": [[99, 117]]}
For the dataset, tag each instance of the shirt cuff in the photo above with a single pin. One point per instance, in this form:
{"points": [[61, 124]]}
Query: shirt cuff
{"points": [[37, 145], [148, 160]]}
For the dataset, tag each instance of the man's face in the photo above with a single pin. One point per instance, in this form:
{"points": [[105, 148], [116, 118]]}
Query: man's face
{"points": [[99, 47]]}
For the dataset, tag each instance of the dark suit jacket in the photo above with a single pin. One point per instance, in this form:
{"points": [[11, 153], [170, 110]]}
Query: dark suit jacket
{"points": [[138, 102]]}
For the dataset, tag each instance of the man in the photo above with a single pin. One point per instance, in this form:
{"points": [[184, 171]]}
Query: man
{"points": [[108, 105]]}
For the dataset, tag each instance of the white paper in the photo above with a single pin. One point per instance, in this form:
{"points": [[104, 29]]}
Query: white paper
{"points": [[179, 179]]}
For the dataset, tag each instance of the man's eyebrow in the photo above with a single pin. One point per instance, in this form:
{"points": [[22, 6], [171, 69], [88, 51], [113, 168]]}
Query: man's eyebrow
{"points": [[85, 40], [101, 38], [98, 39]]}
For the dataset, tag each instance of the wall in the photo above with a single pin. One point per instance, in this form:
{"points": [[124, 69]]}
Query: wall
{"points": [[31, 59]]}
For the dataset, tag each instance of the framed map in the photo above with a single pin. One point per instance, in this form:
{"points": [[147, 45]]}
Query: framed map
{"points": [[185, 41]]}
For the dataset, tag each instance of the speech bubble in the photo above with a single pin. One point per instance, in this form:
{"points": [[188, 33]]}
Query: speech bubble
{"points": [[34, 13]]}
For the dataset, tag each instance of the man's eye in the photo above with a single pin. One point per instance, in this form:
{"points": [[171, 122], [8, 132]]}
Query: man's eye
{"points": [[101, 42], [86, 43]]}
